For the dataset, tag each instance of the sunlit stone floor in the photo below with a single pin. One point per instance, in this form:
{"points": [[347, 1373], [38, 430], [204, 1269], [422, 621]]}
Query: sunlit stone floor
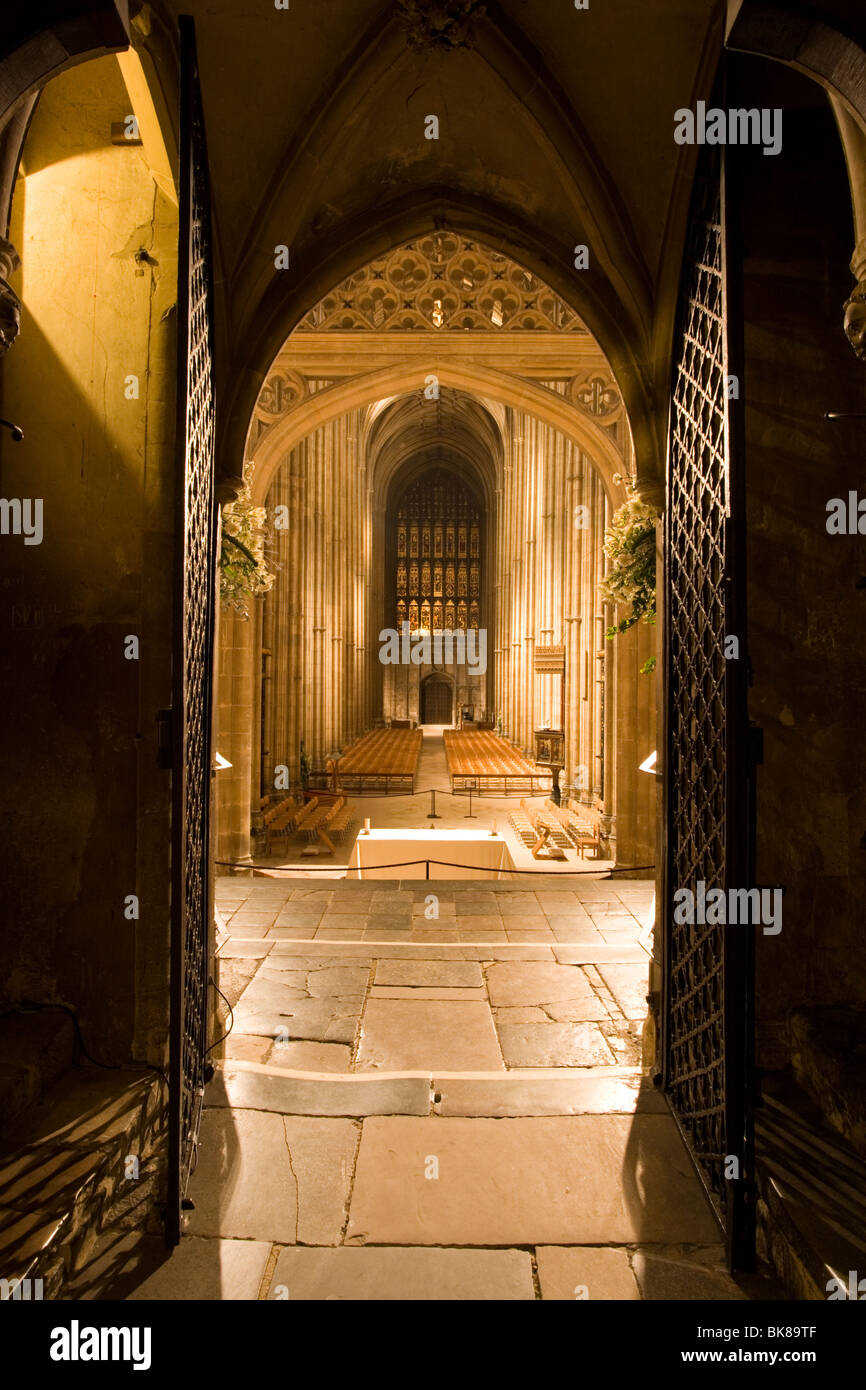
{"points": [[437, 1108]]}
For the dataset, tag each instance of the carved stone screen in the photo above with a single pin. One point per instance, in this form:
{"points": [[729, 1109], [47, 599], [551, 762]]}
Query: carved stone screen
{"points": [[437, 580]]}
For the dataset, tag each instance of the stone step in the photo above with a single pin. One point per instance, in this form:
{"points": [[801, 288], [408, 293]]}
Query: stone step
{"points": [[538, 1091], [69, 1174], [592, 954]]}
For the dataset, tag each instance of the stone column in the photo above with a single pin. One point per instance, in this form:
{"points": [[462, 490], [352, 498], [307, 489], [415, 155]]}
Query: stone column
{"points": [[235, 723]]}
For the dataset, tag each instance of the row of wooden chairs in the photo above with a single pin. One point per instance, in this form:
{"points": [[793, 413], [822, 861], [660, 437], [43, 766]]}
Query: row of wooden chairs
{"points": [[566, 827], [316, 819], [285, 818], [539, 830], [580, 824], [335, 818]]}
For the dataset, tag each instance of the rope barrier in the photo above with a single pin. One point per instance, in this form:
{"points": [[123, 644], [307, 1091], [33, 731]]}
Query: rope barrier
{"points": [[441, 863]]}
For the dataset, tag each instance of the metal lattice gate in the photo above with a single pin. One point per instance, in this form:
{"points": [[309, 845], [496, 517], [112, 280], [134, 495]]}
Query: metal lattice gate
{"points": [[195, 558], [707, 990]]}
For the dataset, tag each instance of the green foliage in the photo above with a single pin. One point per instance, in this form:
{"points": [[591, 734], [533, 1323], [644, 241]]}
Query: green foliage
{"points": [[630, 547], [244, 570]]}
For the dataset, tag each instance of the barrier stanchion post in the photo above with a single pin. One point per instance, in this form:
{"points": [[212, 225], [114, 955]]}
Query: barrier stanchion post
{"points": [[431, 814]]}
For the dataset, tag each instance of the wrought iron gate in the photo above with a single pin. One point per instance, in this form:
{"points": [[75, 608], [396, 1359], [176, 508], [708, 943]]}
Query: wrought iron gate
{"points": [[707, 972], [195, 561]]}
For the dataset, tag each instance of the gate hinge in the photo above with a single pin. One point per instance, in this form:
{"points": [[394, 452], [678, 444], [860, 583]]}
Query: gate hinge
{"points": [[164, 739]]}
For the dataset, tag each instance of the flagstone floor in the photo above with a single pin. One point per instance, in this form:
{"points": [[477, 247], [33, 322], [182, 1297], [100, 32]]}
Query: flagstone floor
{"points": [[433, 1107]]}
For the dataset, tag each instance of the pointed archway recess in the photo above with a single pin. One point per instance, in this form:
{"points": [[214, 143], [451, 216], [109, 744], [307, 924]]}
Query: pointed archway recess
{"points": [[819, 50], [400, 380], [291, 297]]}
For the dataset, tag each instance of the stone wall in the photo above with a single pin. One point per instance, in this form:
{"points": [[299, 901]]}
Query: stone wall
{"points": [[87, 808], [806, 589]]}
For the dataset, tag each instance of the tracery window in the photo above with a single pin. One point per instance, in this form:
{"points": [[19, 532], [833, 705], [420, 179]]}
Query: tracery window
{"points": [[437, 523]]}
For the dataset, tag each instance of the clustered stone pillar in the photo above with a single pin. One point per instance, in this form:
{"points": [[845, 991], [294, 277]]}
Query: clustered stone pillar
{"points": [[318, 614], [549, 565], [234, 724]]}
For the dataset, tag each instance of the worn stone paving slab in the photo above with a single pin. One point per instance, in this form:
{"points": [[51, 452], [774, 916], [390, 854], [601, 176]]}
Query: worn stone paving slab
{"points": [[245, 1048], [436, 936], [307, 1056], [287, 1175], [576, 1011], [520, 1013], [322, 1153], [587, 1094], [235, 975], [323, 960], [337, 981], [521, 982], [256, 1088], [237, 949], [344, 921], [601, 953], [243, 1186], [593, 1273], [213, 1270], [243, 918], [266, 996], [391, 950], [299, 917], [628, 984], [399, 1034], [317, 1020], [675, 1276], [386, 1275], [554, 1045], [455, 973], [242, 933], [292, 933], [464, 996], [578, 934], [578, 1179]]}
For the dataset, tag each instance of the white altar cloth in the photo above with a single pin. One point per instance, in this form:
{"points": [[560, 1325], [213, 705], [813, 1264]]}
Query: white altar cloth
{"points": [[473, 850]]}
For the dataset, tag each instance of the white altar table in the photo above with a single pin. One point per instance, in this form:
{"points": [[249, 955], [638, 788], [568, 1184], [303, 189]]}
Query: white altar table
{"points": [[473, 850]]}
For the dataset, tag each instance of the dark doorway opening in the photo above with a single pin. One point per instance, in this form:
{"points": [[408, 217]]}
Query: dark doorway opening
{"points": [[437, 701]]}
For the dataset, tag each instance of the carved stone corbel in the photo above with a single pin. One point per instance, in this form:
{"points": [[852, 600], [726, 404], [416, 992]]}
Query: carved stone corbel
{"points": [[855, 320], [10, 304], [442, 24]]}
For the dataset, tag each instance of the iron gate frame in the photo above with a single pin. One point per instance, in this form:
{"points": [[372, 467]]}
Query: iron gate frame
{"points": [[193, 647], [731, 1197]]}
